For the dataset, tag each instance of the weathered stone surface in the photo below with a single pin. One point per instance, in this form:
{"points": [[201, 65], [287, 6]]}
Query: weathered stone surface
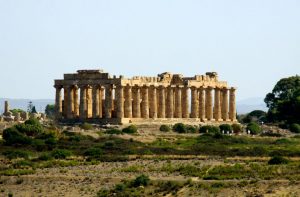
{"points": [[162, 98]]}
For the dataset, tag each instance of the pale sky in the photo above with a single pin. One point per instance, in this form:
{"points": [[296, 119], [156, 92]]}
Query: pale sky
{"points": [[250, 43]]}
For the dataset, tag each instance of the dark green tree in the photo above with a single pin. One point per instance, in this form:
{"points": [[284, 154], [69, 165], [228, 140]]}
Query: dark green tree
{"points": [[50, 110], [31, 108], [284, 101]]}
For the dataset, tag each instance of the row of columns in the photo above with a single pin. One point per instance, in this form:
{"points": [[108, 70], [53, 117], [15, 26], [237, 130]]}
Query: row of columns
{"points": [[147, 102]]}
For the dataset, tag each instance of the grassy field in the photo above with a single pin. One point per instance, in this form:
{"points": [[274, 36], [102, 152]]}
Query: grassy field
{"points": [[172, 164]]}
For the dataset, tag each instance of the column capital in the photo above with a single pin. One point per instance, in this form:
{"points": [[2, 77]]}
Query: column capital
{"points": [[58, 86], [233, 89]]}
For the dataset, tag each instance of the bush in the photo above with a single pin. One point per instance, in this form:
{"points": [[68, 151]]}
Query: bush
{"points": [[113, 131], [86, 126], [209, 129], [237, 128], [295, 128], [254, 128], [60, 154], [93, 152], [191, 129], [180, 128], [13, 136], [164, 128], [225, 127], [13, 154], [45, 157], [130, 129], [276, 160], [142, 180]]}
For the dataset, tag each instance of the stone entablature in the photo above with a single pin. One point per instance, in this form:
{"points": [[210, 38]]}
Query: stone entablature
{"points": [[167, 96]]}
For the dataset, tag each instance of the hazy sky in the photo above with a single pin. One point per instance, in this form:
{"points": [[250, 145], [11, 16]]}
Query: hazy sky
{"points": [[251, 44]]}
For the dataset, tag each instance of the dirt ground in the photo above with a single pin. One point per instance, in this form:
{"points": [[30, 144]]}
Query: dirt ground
{"points": [[87, 180]]}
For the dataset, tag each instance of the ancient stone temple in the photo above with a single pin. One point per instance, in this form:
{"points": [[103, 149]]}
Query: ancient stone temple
{"points": [[93, 95]]}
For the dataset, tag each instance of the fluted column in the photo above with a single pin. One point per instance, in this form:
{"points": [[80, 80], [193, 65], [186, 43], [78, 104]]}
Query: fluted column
{"points": [[185, 102], [58, 101], [178, 107], [101, 94], [95, 92], [76, 104], [82, 106], [145, 102], [208, 104], [108, 101], [162, 102], [128, 102], [153, 102], [65, 102], [225, 104], [195, 105], [70, 103], [232, 107], [136, 104], [217, 106], [120, 101], [202, 104], [170, 103]]}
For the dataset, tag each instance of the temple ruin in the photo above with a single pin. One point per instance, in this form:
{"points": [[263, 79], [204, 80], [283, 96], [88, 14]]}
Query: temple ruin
{"points": [[95, 96]]}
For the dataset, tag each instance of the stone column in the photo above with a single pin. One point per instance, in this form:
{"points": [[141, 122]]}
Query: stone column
{"points": [[108, 101], [70, 102], [225, 104], [128, 102], [6, 107], [162, 102], [232, 107], [58, 102], [178, 107], [145, 102], [65, 102], [95, 93], [153, 103], [136, 105], [82, 106], [170, 103], [120, 101], [208, 104], [217, 106], [101, 93], [195, 105], [76, 104], [202, 104], [185, 102]]}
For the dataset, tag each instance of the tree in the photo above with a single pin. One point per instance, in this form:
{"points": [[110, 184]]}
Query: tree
{"points": [[31, 108], [50, 110], [284, 101], [255, 116]]}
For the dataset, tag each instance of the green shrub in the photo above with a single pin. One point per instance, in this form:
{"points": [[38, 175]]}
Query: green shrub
{"points": [[61, 154], [114, 131], [209, 129], [179, 128], [225, 127], [277, 160], [191, 129], [13, 136], [86, 126], [295, 128], [237, 128], [142, 180], [164, 128], [13, 154], [45, 157], [93, 152], [130, 129], [39, 145], [254, 128]]}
